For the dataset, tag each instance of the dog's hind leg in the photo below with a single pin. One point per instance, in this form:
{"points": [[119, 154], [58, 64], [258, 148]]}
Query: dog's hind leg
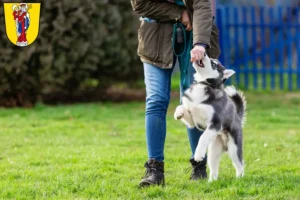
{"points": [[215, 150], [235, 153], [182, 114]]}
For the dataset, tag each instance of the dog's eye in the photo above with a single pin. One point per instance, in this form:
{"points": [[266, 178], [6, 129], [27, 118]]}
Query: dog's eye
{"points": [[213, 65]]}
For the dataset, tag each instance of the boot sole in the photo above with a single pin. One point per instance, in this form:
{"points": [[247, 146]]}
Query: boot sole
{"points": [[148, 184]]}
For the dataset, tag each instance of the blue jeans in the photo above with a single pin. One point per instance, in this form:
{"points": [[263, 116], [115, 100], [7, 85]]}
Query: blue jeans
{"points": [[158, 83]]}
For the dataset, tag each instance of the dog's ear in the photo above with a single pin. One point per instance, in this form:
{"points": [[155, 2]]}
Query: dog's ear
{"points": [[228, 73]]}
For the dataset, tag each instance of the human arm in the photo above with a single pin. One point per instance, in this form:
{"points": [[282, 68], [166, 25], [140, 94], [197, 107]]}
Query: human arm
{"points": [[202, 25], [202, 21]]}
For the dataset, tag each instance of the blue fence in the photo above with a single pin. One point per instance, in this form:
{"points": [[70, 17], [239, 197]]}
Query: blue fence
{"points": [[262, 44]]}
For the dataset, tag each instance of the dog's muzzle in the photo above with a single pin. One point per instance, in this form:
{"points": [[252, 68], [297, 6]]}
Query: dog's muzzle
{"points": [[200, 63]]}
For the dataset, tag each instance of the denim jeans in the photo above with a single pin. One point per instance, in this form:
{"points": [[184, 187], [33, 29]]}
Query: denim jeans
{"points": [[158, 83]]}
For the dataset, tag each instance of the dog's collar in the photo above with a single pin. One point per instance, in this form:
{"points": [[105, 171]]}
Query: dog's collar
{"points": [[210, 85], [215, 86]]}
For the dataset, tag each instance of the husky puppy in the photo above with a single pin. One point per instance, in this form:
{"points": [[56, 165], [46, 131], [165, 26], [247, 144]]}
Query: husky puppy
{"points": [[220, 112]]}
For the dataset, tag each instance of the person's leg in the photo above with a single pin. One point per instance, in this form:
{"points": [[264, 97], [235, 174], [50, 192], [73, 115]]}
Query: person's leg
{"points": [[158, 83], [187, 77], [199, 168]]}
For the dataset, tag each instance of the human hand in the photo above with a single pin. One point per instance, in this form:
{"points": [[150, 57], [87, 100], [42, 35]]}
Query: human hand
{"points": [[197, 53], [185, 20]]}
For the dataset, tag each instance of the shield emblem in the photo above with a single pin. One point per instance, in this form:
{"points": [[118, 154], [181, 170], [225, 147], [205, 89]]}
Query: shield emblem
{"points": [[22, 22]]}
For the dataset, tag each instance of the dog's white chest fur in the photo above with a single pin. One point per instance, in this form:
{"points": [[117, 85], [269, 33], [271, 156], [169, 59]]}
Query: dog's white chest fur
{"points": [[191, 101], [194, 95]]}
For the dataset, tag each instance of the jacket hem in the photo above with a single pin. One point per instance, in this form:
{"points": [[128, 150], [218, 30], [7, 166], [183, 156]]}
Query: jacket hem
{"points": [[157, 64]]}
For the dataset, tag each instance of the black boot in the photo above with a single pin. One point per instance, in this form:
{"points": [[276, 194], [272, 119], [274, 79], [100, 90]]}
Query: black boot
{"points": [[199, 170], [154, 173]]}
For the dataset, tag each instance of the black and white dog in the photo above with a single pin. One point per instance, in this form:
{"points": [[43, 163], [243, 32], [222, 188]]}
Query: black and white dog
{"points": [[219, 112]]}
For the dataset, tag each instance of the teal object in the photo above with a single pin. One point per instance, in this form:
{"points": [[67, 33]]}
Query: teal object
{"points": [[182, 52], [179, 2]]}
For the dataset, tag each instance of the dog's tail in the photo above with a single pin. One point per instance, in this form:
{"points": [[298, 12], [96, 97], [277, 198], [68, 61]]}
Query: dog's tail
{"points": [[239, 100]]}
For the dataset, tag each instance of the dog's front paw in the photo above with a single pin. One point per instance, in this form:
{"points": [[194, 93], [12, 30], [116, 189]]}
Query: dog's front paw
{"points": [[199, 156], [179, 112]]}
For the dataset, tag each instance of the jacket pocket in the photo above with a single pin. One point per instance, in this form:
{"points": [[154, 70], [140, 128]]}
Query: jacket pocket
{"points": [[148, 36]]}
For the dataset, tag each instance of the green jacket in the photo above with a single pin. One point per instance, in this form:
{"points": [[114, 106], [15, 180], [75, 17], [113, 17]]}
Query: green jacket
{"points": [[155, 39]]}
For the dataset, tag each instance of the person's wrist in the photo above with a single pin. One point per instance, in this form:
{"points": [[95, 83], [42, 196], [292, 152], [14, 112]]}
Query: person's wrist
{"points": [[200, 44]]}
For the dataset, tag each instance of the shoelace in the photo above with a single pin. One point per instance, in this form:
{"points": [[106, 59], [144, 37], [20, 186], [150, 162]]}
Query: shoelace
{"points": [[198, 166], [149, 170]]}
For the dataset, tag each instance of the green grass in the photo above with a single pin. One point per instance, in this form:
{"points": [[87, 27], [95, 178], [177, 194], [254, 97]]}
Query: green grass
{"points": [[97, 151]]}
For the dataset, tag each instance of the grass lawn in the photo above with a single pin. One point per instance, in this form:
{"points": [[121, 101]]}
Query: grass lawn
{"points": [[97, 151]]}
